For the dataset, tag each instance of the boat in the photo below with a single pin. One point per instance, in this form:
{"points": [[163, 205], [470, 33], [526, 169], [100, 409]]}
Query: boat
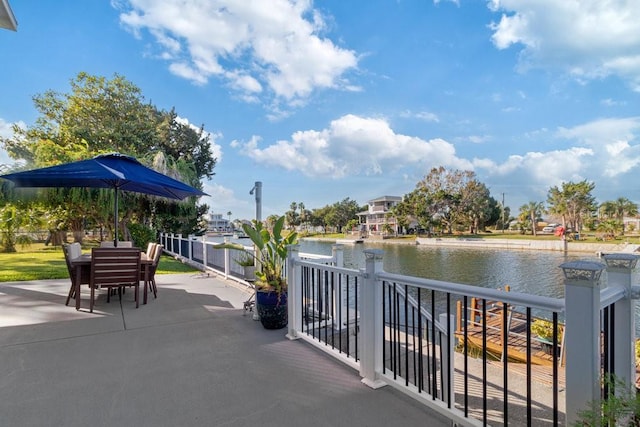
{"points": [[349, 241]]}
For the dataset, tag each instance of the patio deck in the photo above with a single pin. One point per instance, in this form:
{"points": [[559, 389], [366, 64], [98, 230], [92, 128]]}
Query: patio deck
{"points": [[188, 358]]}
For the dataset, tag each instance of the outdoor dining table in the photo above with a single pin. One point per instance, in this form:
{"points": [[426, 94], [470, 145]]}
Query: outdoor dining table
{"points": [[82, 270]]}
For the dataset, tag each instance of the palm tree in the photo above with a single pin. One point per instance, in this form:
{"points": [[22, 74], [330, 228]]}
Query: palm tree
{"points": [[530, 213], [229, 215], [618, 209]]}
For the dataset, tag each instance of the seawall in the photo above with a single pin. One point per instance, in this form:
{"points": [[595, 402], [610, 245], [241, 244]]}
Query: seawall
{"points": [[544, 245]]}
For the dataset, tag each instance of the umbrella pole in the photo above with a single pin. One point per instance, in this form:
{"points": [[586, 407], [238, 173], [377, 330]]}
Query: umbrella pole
{"points": [[115, 221]]}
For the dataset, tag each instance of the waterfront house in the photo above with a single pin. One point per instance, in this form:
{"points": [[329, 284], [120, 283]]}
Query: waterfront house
{"points": [[375, 222], [219, 224]]}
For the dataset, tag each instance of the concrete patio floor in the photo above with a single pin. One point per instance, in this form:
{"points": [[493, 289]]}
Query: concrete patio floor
{"points": [[188, 358]]}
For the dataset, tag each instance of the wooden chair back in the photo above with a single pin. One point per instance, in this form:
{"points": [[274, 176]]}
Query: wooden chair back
{"points": [[115, 266], [121, 244]]}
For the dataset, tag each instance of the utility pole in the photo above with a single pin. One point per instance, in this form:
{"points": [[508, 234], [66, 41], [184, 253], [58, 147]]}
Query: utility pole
{"points": [[503, 213], [257, 190]]}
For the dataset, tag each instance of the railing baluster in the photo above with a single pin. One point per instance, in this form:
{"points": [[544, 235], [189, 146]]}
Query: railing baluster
{"points": [[420, 352], [505, 373], [529, 414], [555, 369], [465, 341], [406, 335], [484, 361], [434, 390]]}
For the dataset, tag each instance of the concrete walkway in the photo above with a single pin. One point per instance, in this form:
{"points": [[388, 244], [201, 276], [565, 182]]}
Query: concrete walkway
{"points": [[188, 358]]}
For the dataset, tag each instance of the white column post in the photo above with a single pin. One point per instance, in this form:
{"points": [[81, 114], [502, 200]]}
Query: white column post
{"points": [[338, 255], [190, 247], [204, 251], [180, 245], [582, 341], [621, 272], [340, 303], [371, 321], [227, 259], [294, 297], [448, 351]]}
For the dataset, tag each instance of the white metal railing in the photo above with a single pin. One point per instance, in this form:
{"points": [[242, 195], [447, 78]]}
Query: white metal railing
{"points": [[388, 320], [202, 254]]}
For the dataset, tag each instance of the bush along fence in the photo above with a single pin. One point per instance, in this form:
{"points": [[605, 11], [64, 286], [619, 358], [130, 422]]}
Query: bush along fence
{"points": [[467, 352]]}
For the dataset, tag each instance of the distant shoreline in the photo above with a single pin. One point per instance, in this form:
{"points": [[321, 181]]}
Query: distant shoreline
{"points": [[511, 244]]}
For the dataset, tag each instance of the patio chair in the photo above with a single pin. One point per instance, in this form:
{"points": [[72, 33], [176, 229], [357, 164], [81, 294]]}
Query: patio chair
{"points": [[121, 244], [71, 251], [114, 268], [156, 253], [151, 247]]}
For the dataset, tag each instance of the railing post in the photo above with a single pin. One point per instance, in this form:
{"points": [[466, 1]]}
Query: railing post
{"points": [[338, 255], [448, 351], [204, 251], [371, 322], [294, 296], [582, 330], [621, 272], [190, 247], [227, 260], [180, 245]]}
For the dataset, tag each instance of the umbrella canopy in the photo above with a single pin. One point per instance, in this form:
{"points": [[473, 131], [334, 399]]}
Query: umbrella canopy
{"points": [[115, 171]]}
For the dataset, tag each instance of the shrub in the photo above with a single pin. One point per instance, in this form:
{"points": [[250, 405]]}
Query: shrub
{"points": [[142, 235]]}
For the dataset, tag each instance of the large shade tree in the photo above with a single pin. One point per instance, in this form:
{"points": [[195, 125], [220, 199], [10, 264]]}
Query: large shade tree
{"points": [[572, 201], [100, 115], [450, 199]]}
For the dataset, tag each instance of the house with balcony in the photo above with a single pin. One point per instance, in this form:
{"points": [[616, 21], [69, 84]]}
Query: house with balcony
{"points": [[375, 222], [219, 224]]}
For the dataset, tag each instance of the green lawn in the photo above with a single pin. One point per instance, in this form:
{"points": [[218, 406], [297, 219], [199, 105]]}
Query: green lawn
{"points": [[39, 262]]}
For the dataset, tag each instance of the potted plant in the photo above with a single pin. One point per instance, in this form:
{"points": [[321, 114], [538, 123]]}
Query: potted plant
{"points": [[270, 256], [544, 330], [247, 261]]}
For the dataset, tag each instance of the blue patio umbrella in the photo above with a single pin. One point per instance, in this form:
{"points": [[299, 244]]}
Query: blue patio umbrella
{"points": [[116, 171]]}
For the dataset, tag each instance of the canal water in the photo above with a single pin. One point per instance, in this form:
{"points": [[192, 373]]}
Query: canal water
{"points": [[531, 272]]}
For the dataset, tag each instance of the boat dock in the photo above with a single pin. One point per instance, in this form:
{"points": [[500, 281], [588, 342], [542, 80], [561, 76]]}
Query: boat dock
{"points": [[500, 341]]}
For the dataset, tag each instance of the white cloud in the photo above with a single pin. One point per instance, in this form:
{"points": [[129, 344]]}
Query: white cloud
{"points": [[426, 116], [588, 39], [354, 145], [479, 139], [216, 149], [611, 140], [6, 131], [277, 44], [603, 151]]}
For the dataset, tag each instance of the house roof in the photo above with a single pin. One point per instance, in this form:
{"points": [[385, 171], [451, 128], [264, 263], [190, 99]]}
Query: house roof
{"points": [[386, 199], [7, 19]]}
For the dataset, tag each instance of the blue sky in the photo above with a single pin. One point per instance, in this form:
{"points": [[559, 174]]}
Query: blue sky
{"points": [[325, 100]]}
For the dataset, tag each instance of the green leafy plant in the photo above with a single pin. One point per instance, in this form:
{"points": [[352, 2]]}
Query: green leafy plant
{"points": [[141, 234], [621, 408], [544, 329], [270, 253], [245, 259]]}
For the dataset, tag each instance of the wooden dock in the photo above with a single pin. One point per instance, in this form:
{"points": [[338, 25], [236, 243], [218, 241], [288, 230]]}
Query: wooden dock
{"points": [[513, 338]]}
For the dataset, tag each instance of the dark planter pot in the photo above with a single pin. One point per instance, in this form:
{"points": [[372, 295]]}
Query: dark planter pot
{"points": [[547, 347], [272, 309]]}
